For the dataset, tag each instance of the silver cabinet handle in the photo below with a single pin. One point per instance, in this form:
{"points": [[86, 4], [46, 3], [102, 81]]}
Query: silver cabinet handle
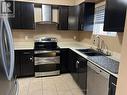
{"points": [[113, 84], [31, 59], [77, 63]]}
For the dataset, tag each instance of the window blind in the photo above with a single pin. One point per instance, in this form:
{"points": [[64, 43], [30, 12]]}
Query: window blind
{"points": [[99, 14]]}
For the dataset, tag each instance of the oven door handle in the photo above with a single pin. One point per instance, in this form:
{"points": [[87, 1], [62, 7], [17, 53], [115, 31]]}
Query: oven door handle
{"points": [[38, 52]]}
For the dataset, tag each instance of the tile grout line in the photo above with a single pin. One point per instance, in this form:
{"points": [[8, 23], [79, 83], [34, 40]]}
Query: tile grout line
{"points": [[56, 89], [63, 79], [28, 86], [42, 85]]}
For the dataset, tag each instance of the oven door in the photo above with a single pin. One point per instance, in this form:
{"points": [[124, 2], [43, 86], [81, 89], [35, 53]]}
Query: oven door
{"points": [[47, 60], [47, 67], [47, 63], [47, 57]]}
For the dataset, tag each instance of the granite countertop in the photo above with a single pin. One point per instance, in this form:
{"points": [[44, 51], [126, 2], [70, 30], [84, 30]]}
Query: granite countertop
{"points": [[110, 64], [99, 63], [107, 63]]}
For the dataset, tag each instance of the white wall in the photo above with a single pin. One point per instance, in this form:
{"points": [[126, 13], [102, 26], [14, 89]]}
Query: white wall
{"points": [[122, 78]]}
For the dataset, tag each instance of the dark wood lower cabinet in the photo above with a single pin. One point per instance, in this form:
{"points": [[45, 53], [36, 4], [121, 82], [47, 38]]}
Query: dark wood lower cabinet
{"points": [[78, 69], [112, 85], [17, 63], [24, 63], [76, 65], [73, 63], [64, 54]]}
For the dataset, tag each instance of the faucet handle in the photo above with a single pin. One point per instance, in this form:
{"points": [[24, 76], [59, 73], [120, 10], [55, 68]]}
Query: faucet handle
{"points": [[108, 53]]}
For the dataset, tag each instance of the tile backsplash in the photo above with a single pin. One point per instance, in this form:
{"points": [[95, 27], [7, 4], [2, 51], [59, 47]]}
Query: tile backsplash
{"points": [[114, 43], [45, 30], [28, 36]]}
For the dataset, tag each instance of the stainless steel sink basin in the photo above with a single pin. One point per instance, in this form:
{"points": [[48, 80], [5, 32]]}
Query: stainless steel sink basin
{"points": [[86, 50], [94, 54], [91, 52]]}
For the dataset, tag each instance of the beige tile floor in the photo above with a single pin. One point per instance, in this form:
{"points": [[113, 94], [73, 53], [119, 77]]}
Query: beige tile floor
{"points": [[54, 85]]}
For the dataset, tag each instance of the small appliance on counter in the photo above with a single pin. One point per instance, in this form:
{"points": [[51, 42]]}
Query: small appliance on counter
{"points": [[46, 56]]}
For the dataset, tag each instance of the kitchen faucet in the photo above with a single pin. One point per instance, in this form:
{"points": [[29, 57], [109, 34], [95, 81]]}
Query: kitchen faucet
{"points": [[101, 45], [98, 43]]}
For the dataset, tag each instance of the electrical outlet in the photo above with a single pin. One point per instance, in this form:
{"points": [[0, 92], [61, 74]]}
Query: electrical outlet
{"points": [[26, 37], [74, 37]]}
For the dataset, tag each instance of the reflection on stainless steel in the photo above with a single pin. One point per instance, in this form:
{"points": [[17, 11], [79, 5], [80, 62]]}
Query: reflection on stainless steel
{"points": [[47, 60], [7, 79], [97, 80]]}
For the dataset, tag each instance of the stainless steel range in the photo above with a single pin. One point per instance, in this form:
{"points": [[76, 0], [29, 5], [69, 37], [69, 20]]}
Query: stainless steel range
{"points": [[46, 56]]}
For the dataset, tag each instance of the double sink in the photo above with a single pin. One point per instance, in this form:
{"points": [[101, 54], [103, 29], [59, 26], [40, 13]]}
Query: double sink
{"points": [[91, 52], [101, 59]]}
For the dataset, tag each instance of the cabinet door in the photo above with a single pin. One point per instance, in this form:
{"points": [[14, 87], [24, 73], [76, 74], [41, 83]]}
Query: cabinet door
{"points": [[27, 64], [27, 16], [72, 62], [73, 18], [86, 16], [73, 68], [17, 70], [15, 22], [78, 69], [24, 16], [82, 74], [81, 16], [63, 18], [115, 14], [64, 60], [89, 16]]}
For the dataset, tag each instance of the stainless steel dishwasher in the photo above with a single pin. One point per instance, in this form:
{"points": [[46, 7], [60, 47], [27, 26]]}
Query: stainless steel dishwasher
{"points": [[97, 80]]}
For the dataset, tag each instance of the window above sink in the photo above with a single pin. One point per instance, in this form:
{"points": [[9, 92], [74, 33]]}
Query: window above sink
{"points": [[99, 21]]}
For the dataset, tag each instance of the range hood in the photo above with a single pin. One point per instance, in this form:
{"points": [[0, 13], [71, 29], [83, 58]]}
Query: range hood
{"points": [[48, 15]]}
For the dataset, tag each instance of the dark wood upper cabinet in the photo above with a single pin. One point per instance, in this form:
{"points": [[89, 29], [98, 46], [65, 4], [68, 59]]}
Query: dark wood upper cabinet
{"points": [[24, 16], [15, 22], [63, 18], [115, 14], [86, 16], [73, 17], [81, 17], [27, 13]]}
